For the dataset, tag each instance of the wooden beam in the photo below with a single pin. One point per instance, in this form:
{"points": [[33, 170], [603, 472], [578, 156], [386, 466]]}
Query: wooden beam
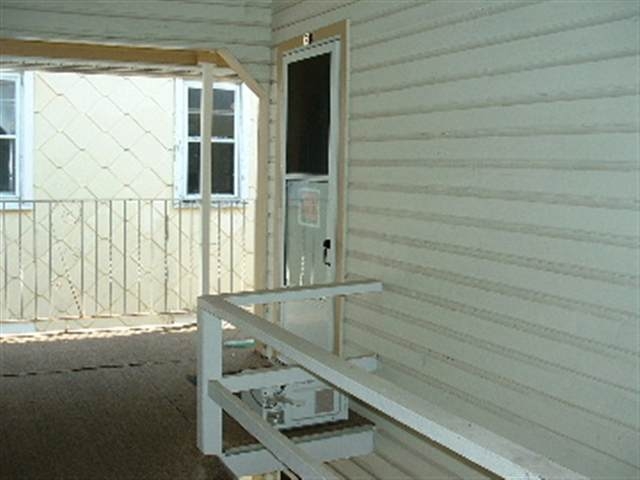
{"points": [[118, 54], [227, 57]]}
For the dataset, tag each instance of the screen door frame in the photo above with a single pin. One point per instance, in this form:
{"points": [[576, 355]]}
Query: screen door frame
{"points": [[337, 31], [332, 47]]}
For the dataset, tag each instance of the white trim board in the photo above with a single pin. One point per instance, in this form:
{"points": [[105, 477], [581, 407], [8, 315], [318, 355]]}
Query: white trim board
{"points": [[347, 444], [289, 294], [269, 377]]}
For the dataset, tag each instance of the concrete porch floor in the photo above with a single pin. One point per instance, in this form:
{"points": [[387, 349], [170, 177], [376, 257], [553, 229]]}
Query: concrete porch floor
{"points": [[118, 405], [100, 405]]}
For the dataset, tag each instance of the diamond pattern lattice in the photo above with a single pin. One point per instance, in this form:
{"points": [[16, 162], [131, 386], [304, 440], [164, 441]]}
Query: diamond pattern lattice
{"points": [[120, 125]]}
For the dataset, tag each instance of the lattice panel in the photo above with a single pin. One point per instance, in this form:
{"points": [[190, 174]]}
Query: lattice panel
{"points": [[103, 136]]}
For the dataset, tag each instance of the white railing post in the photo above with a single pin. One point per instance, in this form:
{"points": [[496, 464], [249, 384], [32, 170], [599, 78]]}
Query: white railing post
{"points": [[209, 368], [209, 327]]}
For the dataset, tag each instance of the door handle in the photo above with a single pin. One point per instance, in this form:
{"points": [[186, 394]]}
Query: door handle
{"points": [[326, 246]]}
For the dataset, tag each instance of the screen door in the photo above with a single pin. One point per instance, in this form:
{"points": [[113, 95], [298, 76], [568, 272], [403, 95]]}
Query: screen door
{"points": [[310, 190]]}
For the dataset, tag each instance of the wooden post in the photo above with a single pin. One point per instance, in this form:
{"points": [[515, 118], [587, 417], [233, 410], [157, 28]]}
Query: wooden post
{"points": [[209, 327], [206, 110]]}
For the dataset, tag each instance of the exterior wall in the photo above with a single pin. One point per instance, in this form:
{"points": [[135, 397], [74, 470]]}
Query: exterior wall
{"points": [[106, 236], [493, 188], [244, 26], [103, 136]]}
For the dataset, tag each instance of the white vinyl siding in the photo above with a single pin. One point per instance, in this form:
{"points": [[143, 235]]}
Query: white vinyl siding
{"points": [[493, 188]]}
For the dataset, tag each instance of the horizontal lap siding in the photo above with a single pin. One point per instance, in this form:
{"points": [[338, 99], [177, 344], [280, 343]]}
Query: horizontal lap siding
{"points": [[243, 26], [494, 189]]}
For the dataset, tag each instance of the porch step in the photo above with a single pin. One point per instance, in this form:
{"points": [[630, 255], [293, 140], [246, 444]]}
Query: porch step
{"points": [[244, 455], [218, 470]]}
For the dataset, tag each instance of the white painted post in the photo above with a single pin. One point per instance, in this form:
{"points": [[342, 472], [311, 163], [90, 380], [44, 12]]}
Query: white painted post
{"points": [[206, 109], [209, 327], [209, 368]]}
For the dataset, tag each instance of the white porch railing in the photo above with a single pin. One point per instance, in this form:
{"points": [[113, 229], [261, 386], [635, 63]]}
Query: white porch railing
{"points": [[83, 260], [481, 446]]}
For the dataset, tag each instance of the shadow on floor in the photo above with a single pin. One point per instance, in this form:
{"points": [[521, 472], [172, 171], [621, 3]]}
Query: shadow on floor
{"points": [[101, 406]]}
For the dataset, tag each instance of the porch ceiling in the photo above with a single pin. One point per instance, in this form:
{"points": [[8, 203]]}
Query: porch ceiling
{"points": [[111, 59]]}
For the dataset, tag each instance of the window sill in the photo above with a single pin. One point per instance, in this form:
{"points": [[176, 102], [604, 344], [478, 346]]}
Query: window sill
{"points": [[13, 204], [222, 202]]}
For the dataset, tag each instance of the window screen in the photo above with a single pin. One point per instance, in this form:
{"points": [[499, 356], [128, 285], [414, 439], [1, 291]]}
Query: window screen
{"points": [[308, 114]]}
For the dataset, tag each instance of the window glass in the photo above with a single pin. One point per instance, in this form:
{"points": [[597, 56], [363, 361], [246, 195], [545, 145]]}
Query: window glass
{"points": [[223, 121], [7, 165], [308, 115], [194, 124], [223, 162], [8, 136], [224, 100], [193, 168], [194, 98], [7, 107], [194, 112], [223, 126], [222, 171]]}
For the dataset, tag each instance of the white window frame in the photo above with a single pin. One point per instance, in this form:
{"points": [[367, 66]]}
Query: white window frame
{"points": [[24, 140], [183, 139]]}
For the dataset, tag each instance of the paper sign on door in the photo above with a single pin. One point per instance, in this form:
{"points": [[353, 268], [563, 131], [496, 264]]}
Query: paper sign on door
{"points": [[309, 211]]}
